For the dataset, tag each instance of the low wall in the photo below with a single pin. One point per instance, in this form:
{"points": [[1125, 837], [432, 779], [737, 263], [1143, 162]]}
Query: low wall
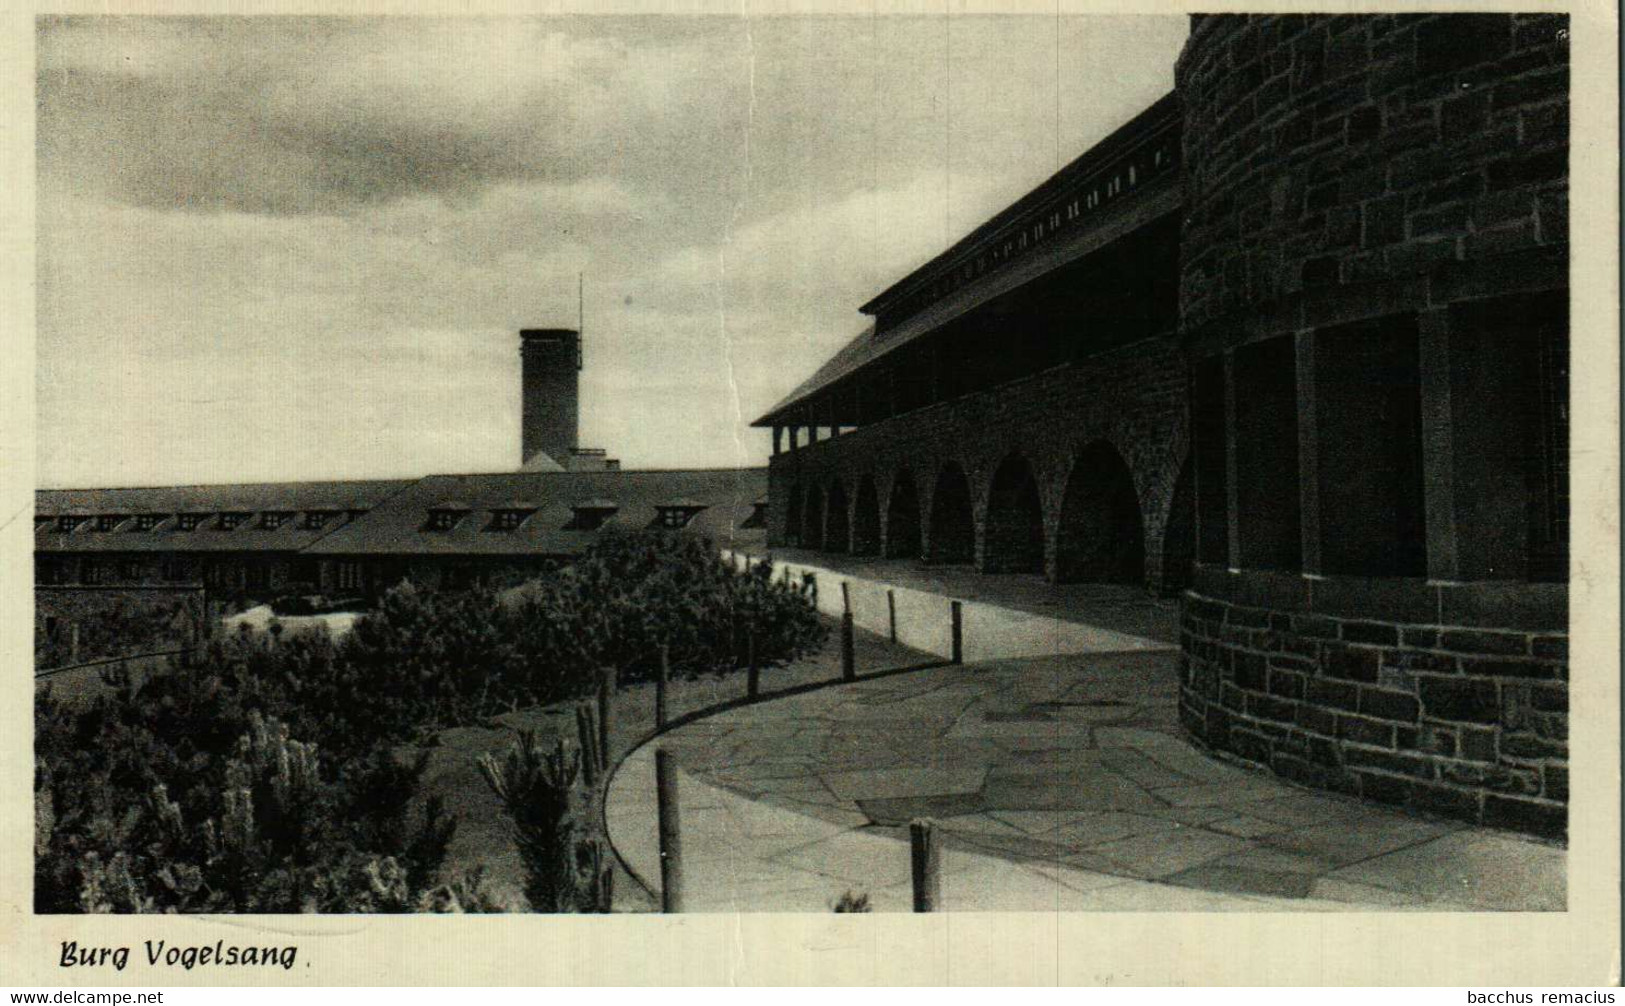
{"points": [[924, 620], [1450, 698]]}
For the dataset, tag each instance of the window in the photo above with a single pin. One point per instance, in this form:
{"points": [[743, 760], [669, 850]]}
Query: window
{"points": [[109, 522], [349, 575], [315, 519], [67, 522], [1268, 515], [591, 514], [174, 570], [273, 519], [675, 517], [91, 572], [189, 521], [258, 576], [131, 569], [232, 521], [444, 520], [51, 571], [148, 521], [508, 520], [1368, 419]]}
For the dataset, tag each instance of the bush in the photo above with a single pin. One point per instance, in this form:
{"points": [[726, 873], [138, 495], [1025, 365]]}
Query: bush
{"points": [[260, 776], [182, 796]]}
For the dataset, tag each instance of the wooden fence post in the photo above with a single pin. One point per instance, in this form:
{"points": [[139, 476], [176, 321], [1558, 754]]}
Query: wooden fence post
{"points": [[891, 612], [660, 687], [753, 675], [957, 614], [926, 855], [606, 712], [587, 731], [849, 657], [671, 842]]}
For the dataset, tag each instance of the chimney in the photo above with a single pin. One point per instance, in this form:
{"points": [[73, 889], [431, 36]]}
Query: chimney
{"points": [[550, 378]]}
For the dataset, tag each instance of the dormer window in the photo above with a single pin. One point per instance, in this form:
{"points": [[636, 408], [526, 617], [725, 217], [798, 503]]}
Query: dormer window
{"points": [[148, 521], [315, 519], [232, 520], [270, 520], [446, 516], [109, 522], [190, 521], [66, 523], [590, 515], [43, 521], [676, 514], [509, 518]]}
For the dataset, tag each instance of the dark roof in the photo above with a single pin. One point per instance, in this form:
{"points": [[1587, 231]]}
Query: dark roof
{"points": [[897, 326], [275, 497], [1101, 157], [397, 526]]}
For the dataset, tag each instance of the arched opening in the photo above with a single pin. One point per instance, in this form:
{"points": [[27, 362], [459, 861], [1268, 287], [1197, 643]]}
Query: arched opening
{"points": [[812, 524], [866, 519], [953, 528], [1013, 539], [1102, 539], [903, 519], [837, 524], [1179, 535], [792, 519]]}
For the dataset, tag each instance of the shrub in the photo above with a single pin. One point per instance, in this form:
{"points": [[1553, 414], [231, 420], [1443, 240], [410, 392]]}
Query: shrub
{"points": [[182, 796], [563, 871]]}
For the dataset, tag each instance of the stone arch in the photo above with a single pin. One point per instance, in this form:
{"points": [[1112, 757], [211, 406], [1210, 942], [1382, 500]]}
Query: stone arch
{"points": [[1101, 536], [903, 519], [1013, 533], [953, 524], [837, 520], [866, 519], [812, 523], [1179, 535]]}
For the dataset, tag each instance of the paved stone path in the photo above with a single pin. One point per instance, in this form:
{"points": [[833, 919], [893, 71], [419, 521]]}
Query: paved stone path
{"points": [[1004, 616], [1061, 783]]}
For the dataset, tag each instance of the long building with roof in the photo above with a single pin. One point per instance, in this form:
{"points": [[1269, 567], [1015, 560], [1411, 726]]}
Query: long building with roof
{"points": [[355, 538]]}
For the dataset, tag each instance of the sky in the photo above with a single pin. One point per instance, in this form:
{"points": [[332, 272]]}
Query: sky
{"points": [[289, 248]]}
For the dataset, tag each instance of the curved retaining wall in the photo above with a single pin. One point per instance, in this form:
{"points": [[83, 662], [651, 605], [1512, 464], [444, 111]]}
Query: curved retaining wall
{"points": [[1394, 691], [1346, 170]]}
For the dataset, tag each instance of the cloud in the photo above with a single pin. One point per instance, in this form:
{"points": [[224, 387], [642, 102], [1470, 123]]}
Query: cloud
{"points": [[288, 247]]}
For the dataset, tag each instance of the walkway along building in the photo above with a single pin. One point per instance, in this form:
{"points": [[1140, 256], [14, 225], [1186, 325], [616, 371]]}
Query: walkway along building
{"points": [[1293, 341]]}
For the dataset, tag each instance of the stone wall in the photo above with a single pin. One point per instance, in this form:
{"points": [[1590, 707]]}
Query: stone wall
{"points": [[1325, 152], [1410, 701], [1373, 291], [1132, 399]]}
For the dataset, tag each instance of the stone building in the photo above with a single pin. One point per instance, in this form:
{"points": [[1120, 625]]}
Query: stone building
{"points": [[1019, 401], [1295, 341]]}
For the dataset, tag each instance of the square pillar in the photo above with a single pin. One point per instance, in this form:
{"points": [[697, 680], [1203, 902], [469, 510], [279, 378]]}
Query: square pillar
{"points": [[1438, 454], [1308, 453]]}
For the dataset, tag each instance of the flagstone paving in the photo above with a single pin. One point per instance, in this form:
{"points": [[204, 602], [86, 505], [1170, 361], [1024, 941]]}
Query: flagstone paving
{"points": [[1059, 783]]}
